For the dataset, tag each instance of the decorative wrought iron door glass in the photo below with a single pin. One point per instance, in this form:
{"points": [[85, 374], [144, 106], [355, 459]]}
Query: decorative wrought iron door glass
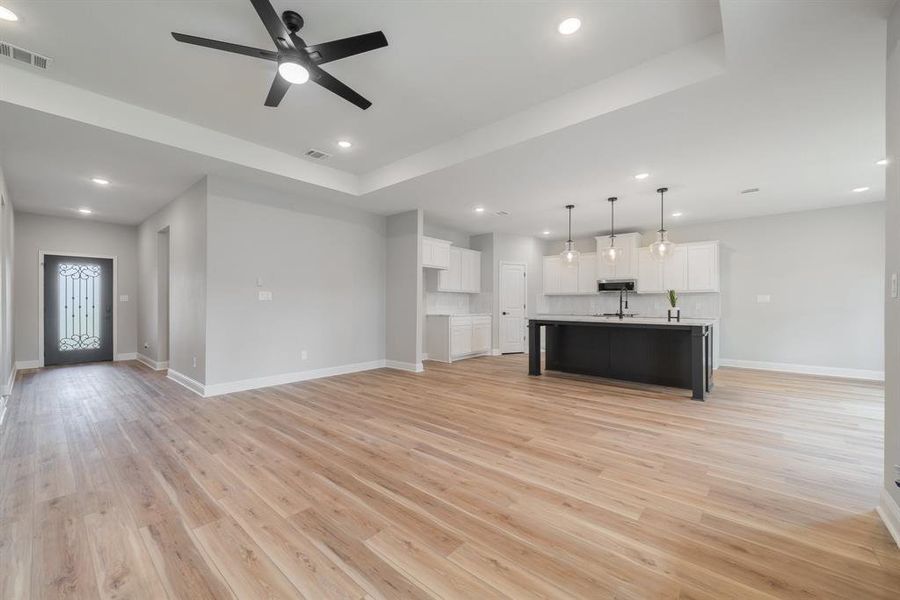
{"points": [[80, 322]]}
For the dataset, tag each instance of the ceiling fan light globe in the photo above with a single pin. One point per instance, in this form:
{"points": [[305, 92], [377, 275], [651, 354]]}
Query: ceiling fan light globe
{"points": [[293, 72]]}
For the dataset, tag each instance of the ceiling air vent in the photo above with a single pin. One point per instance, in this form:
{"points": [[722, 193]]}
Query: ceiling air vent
{"points": [[502, 213], [750, 191], [317, 154], [22, 55]]}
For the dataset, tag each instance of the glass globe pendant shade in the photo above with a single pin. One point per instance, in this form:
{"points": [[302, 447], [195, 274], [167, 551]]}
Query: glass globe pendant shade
{"points": [[570, 255], [610, 254], [662, 248]]}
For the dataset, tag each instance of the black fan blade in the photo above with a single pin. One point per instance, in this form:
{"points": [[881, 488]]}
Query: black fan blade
{"points": [[330, 83], [280, 34], [329, 51], [226, 46], [279, 88]]}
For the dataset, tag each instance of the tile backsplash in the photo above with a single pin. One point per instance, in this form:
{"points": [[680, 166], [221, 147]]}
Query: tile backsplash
{"points": [[450, 303], [707, 306]]}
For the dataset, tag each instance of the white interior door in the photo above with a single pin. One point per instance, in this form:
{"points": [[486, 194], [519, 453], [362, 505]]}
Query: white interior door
{"points": [[512, 307]]}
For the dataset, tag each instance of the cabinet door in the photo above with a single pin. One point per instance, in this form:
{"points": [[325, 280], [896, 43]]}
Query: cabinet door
{"points": [[625, 262], [703, 267], [440, 255], [675, 270], [451, 279], [460, 340], [604, 271], [427, 252], [650, 272], [568, 278], [481, 336], [587, 274], [473, 274], [551, 275]]}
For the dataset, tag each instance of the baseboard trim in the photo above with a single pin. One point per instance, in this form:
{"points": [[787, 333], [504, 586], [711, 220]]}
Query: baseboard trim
{"points": [[229, 387], [182, 379], [496, 352], [8, 388], [156, 365], [126, 356], [803, 369], [404, 366], [21, 365], [889, 512]]}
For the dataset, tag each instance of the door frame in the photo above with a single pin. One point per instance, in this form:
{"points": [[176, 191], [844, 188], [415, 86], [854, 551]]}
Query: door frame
{"points": [[115, 293], [500, 265]]}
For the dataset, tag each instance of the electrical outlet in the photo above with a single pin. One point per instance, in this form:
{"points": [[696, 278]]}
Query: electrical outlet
{"points": [[303, 355], [264, 295], [763, 298], [894, 288], [146, 345], [195, 362]]}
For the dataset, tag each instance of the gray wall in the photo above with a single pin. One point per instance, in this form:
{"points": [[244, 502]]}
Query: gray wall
{"points": [[185, 218], [325, 267], [892, 223], [403, 310], [823, 270], [7, 269], [34, 233]]}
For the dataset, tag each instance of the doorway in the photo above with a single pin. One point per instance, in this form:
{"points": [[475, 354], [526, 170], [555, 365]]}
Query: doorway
{"points": [[78, 319], [513, 303]]}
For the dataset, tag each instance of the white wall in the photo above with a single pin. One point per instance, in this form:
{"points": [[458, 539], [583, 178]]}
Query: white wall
{"points": [[890, 506], [404, 308], [185, 219], [35, 233], [823, 270], [325, 268]]}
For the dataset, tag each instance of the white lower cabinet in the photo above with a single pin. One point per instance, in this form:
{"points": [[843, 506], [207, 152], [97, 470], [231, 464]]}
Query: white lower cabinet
{"points": [[452, 337]]}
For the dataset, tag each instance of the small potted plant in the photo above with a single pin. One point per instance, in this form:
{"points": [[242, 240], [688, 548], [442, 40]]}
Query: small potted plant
{"points": [[674, 310]]}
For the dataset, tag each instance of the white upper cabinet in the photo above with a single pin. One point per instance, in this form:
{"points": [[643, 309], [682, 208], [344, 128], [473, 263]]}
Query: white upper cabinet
{"points": [[564, 280], [463, 273], [703, 267], [435, 253], [626, 265], [693, 267]]}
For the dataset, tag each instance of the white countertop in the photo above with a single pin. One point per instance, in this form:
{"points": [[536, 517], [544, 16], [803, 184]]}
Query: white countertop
{"points": [[662, 321], [458, 314]]}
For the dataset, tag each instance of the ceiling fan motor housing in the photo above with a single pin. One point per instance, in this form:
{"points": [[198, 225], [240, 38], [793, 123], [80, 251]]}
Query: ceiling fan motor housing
{"points": [[292, 20]]}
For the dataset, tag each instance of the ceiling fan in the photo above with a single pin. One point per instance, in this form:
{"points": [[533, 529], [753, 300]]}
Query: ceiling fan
{"points": [[297, 62]]}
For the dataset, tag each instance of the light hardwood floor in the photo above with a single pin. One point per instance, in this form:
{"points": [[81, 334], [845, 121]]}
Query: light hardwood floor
{"points": [[466, 481]]}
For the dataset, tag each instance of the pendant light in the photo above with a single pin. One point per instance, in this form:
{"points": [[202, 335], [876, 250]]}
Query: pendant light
{"points": [[662, 248], [570, 255], [609, 254]]}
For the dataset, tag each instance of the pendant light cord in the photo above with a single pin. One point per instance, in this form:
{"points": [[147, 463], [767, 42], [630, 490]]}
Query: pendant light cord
{"points": [[662, 192], [569, 208]]}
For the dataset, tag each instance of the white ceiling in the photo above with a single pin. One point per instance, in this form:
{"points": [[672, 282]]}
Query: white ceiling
{"points": [[450, 67], [798, 112]]}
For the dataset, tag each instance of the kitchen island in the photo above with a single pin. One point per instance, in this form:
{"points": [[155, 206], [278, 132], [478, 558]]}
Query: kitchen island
{"points": [[646, 350]]}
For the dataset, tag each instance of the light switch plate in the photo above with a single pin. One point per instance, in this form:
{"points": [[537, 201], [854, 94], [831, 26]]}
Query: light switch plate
{"points": [[894, 291], [265, 295], [763, 298], [123, 298]]}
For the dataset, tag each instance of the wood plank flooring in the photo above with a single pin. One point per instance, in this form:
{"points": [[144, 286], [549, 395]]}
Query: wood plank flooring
{"points": [[470, 480]]}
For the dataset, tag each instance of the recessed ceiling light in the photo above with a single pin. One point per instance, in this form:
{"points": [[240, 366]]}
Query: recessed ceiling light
{"points": [[100, 181], [479, 209], [677, 214], [642, 176], [345, 144], [569, 26], [546, 233], [85, 211], [861, 189], [7, 15], [293, 72], [882, 162]]}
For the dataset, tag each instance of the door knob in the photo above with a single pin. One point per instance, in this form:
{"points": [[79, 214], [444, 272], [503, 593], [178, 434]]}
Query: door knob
{"points": [[504, 313]]}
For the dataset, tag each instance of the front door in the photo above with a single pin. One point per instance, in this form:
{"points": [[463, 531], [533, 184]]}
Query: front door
{"points": [[78, 309], [512, 307]]}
